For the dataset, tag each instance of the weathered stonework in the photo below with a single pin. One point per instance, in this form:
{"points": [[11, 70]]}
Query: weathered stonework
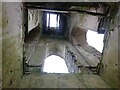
{"points": [[0, 45], [12, 50], [109, 64]]}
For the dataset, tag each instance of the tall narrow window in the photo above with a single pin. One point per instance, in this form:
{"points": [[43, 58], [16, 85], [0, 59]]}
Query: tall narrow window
{"points": [[55, 64], [53, 20], [48, 15]]}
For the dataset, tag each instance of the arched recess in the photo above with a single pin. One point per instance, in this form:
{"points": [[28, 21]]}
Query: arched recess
{"points": [[78, 36]]}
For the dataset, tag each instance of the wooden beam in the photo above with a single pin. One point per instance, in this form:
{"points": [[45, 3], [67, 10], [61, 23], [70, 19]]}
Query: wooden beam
{"points": [[64, 10]]}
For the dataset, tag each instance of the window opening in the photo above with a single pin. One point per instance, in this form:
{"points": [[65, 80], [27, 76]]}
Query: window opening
{"points": [[53, 20], [96, 40], [55, 64]]}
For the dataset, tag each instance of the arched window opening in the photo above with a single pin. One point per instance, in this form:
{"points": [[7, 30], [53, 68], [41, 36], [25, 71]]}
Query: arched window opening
{"points": [[96, 40], [55, 64]]}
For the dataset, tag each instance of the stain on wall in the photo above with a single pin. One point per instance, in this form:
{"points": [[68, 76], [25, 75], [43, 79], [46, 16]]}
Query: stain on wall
{"points": [[12, 50]]}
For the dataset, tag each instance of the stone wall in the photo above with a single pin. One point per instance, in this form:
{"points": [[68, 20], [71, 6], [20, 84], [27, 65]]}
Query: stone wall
{"points": [[85, 21], [0, 45], [78, 27], [79, 24], [12, 42], [109, 63]]}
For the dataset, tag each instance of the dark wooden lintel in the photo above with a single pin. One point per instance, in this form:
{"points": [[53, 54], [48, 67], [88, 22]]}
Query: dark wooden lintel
{"points": [[66, 10]]}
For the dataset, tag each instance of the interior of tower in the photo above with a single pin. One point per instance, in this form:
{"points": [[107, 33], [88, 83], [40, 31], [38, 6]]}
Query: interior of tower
{"points": [[59, 44]]}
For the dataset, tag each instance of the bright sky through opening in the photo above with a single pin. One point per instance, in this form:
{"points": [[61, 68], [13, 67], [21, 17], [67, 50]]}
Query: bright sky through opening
{"points": [[55, 64], [96, 40], [54, 21]]}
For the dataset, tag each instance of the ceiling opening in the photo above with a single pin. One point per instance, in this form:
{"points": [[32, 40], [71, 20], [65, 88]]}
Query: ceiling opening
{"points": [[55, 64], [95, 40]]}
